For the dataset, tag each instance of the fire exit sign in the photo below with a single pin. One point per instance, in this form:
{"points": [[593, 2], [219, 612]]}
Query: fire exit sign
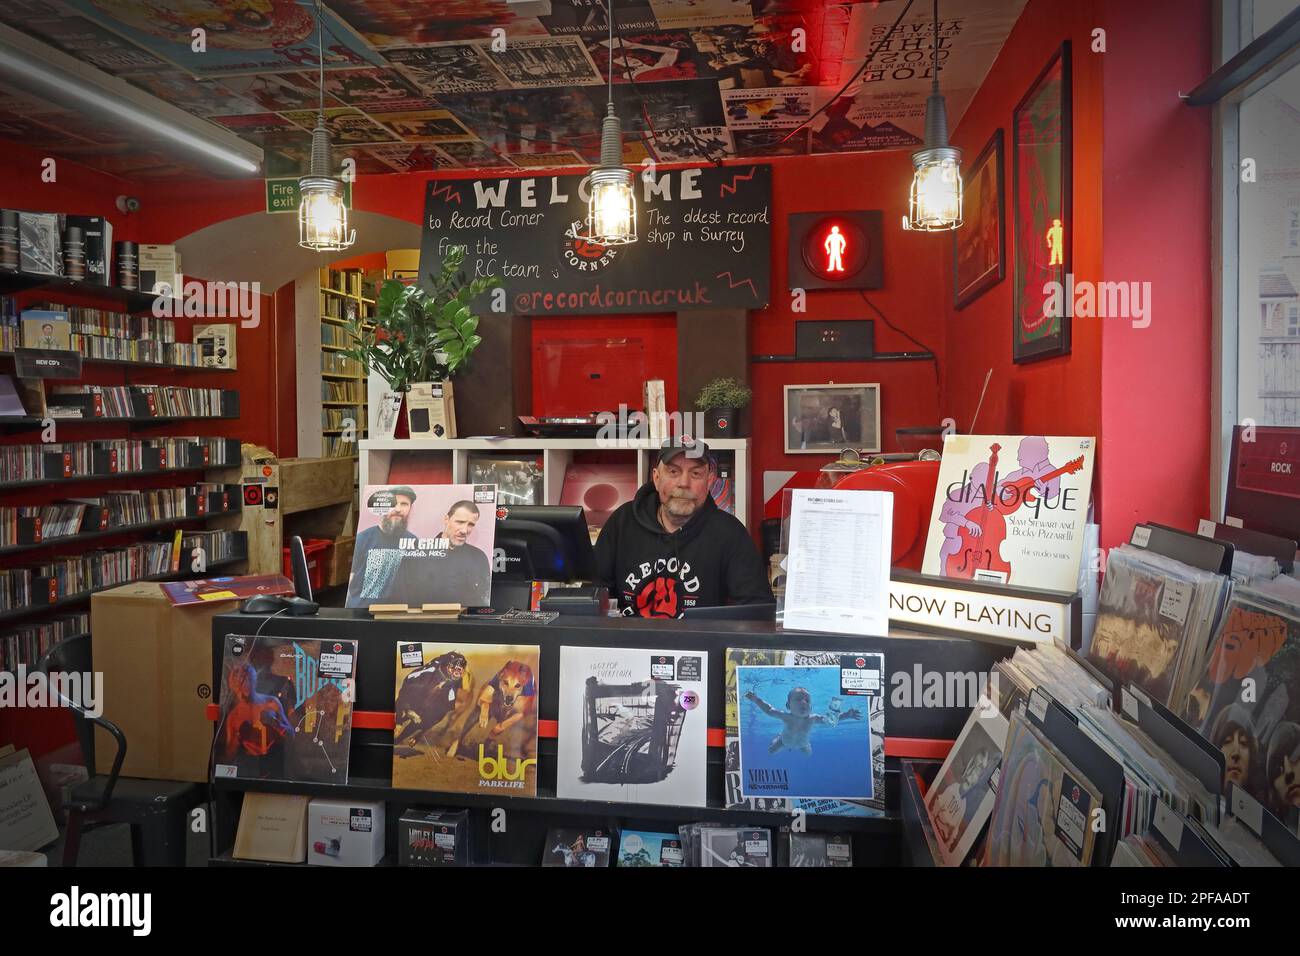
{"points": [[282, 195]]}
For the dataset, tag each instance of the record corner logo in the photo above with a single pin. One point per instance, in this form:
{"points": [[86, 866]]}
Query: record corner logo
{"points": [[582, 256]]}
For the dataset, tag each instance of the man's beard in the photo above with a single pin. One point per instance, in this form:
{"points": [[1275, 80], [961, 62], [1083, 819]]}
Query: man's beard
{"points": [[680, 507], [392, 525]]}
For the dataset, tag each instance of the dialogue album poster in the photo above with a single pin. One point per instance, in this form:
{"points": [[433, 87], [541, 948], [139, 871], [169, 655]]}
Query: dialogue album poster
{"points": [[805, 730], [424, 544], [286, 709], [633, 725], [1247, 703], [1042, 815], [465, 718], [1012, 509]]}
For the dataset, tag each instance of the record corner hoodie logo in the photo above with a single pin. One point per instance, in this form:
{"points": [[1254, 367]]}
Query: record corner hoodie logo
{"points": [[659, 588]]}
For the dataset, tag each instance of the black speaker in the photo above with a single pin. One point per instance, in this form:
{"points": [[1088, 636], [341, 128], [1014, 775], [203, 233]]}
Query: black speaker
{"points": [[841, 340]]}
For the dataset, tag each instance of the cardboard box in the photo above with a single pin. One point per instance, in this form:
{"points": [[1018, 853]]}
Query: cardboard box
{"points": [[340, 566], [216, 345], [157, 665], [345, 833]]}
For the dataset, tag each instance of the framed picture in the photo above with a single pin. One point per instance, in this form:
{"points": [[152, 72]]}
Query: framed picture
{"points": [[1040, 185], [823, 419], [979, 247]]}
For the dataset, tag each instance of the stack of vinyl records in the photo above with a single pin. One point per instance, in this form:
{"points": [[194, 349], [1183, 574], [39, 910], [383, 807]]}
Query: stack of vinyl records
{"points": [[1050, 667], [1155, 619], [1246, 700]]}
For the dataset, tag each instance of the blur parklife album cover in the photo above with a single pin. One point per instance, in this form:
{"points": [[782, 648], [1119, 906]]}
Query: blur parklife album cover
{"points": [[633, 725], [286, 709], [1011, 508], [465, 718], [838, 725], [424, 544]]}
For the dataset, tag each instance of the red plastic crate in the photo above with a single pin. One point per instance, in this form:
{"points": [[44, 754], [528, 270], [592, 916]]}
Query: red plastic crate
{"points": [[318, 559]]}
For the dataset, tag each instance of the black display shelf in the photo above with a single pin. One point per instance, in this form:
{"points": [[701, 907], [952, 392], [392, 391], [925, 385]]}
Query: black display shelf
{"points": [[17, 423], [72, 600], [11, 282], [120, 529], [136, 363], [225, 859], [84, 479], [381, 790]]}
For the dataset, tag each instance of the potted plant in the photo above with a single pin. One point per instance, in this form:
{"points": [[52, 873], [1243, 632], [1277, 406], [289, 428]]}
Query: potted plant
{"points": [[419, 336], [721, 400]]}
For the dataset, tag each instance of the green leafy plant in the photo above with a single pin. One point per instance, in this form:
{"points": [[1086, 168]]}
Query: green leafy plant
{"points": [[724, 393], [421, 336]]}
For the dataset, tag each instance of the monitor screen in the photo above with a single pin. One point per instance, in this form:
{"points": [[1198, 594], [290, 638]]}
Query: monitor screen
{"points": [[543, 543]]}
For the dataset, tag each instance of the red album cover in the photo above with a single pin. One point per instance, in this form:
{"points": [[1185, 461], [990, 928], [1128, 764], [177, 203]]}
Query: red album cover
{"points": [[599, 489], [207, 590]]}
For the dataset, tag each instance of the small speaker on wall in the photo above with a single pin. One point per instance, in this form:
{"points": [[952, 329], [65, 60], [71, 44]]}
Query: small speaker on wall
{"points": [[835, 250], [844, 340]]}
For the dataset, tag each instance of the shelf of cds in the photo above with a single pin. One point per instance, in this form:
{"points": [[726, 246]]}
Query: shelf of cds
{"points": [[326, 379], [29, 527], [63, 582], [102, 336], [31, 464], [615, 729]]}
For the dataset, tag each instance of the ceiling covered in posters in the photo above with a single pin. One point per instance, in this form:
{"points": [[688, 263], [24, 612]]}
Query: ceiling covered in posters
{"points": [[444, 84]]}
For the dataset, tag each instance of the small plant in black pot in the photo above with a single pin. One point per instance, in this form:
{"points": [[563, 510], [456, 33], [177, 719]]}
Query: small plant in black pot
{"points": [[721, 400]]}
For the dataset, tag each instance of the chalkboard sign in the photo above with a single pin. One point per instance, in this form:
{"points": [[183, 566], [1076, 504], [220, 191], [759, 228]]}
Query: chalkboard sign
{"points": [[704, 241]]}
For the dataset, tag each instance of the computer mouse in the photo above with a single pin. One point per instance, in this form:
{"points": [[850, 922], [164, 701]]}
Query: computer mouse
{"points": [[275, 603], [264, 604]]}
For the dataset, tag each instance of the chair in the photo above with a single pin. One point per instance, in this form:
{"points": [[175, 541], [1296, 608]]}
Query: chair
{"points": [[157, 811]]}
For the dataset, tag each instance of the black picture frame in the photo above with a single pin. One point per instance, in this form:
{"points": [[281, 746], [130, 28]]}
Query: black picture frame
{"points": [[1030, 196], [963, 296]]}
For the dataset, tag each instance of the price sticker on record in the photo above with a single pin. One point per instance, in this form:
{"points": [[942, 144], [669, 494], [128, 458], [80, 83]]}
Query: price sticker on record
{"points": [[860, 674]]}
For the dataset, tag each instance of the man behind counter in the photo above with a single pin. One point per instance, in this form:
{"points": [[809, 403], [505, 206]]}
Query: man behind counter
{"points": [[671, 548]]}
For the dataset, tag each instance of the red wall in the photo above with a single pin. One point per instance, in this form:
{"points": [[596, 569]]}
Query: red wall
{"points": [[1155, 381], [1057, 396], [1155, 187]]}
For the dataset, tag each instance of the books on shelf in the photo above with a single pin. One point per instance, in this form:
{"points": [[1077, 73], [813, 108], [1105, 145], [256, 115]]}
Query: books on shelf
{"points": [[342, 392]]}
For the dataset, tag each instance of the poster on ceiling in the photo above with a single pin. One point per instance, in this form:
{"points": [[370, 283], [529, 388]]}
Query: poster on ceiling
{"points": [[587, 17], [239, 36], [701, 13], [386, 23], [884, 108], [782, 107], [459, 67]]}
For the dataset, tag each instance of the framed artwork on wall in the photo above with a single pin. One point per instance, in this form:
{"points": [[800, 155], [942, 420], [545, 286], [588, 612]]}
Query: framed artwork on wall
{"points": [[823, 419], [1040, 184], [979, 247]]}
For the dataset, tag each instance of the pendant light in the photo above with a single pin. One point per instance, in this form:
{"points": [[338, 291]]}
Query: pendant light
{"points": [[611, 210], [322, 214], [935, 201]]}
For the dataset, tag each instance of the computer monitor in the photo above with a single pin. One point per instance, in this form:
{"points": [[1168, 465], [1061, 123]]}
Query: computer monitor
{"points": [[732, 612], [543, 543], [298, 560]]}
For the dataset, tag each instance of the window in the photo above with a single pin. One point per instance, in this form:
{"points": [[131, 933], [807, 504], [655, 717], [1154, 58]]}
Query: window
{"points": [[1268, 222], [1255, 93]]}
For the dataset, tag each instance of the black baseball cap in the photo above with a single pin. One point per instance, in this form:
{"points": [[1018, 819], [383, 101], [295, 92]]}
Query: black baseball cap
{"points": [[682, 444]]}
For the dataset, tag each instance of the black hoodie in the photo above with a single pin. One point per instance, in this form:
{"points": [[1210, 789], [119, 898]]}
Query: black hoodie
{"points": [[709, 561]]}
